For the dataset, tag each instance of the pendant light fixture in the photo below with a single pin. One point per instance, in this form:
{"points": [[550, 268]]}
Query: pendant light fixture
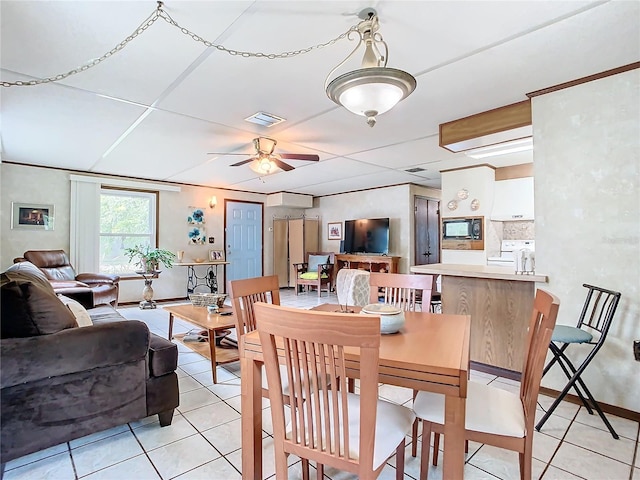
{"points": [[374, 88]]}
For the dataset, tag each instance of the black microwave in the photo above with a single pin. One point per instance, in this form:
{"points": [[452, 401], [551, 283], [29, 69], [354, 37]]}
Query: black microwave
{"points": [[462, 228]]}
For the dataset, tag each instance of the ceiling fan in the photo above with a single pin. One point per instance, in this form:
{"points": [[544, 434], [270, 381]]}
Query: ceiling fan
{"points": [[265, 161]]}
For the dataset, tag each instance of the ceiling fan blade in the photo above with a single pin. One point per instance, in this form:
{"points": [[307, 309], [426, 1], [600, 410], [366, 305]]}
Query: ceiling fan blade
{"points": [[226, 153], [242, 162], [300, 156], [280, 164]]}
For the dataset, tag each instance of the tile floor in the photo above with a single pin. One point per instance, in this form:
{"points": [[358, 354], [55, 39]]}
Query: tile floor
{"points": [[203, 442]]}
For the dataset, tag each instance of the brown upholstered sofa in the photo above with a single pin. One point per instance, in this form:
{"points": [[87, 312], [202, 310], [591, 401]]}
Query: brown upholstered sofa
{"points": [[87, 288], [59, 381]]}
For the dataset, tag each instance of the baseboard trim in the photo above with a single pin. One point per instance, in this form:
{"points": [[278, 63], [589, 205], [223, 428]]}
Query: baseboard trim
{"points": [[499, 372], [606, 408]]}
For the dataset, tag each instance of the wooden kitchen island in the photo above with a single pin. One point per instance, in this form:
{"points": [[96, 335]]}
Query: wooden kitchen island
{"points": [[500, 303]]}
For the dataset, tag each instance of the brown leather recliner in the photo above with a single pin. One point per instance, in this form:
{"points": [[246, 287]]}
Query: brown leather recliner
{"points": [[56, 266]]}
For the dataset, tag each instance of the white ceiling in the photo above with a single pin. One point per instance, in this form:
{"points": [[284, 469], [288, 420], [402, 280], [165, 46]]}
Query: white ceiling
{"points": [[158, 106]]}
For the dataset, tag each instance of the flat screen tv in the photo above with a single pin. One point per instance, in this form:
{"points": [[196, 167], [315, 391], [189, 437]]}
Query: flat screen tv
{"points": [[367, 235]]}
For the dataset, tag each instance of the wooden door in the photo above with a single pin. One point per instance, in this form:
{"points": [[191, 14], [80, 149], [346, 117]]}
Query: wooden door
{"points": [[427, 230]]}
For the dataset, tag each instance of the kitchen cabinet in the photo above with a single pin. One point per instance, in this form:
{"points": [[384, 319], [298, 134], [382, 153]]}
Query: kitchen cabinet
{"points": [[513, 200]]}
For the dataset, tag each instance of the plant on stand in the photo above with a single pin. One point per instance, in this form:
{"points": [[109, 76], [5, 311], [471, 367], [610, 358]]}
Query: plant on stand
{"points": [[149, 259]]}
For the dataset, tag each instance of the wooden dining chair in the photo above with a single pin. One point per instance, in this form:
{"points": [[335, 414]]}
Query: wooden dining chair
{"points": [[494, 416], [352, 432], [244, 294], [402, 290]]}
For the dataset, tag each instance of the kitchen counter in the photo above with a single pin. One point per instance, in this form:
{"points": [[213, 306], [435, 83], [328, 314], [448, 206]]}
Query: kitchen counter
{"points": [[499, 302], [477, 271]]}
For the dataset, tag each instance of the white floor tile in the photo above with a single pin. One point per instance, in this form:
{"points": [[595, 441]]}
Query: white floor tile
{"points": [[226, 390], [78, 442], [203, 366], [227, 437], [34, 457], [211, 416], [601, 441], [182, 456], [623, 427], [554, 473], [153, 436], [185, 358], [196, 399], [219, 468], [589, 465], [186, 384], [138, 467], [56, 467], [104, 453]]}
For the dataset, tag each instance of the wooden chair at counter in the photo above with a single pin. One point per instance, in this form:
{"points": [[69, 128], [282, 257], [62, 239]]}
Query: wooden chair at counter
{"points": [[351, 432], [402, 290], [494, 416]]}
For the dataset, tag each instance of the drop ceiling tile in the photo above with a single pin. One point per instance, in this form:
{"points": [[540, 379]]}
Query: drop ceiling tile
{"points": [[60, 126]]}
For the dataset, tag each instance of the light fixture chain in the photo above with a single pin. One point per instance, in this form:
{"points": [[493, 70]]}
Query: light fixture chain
{"points": [[160, 13], [271, 56], [151, 19]]}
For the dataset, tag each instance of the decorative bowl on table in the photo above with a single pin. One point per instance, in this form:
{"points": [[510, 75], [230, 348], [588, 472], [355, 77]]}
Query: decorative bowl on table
{"points": [[391, 317], [206, 299]]}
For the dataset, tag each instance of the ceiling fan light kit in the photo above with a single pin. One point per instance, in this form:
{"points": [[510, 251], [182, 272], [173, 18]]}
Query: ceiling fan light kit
{"points": [[375, 88]]}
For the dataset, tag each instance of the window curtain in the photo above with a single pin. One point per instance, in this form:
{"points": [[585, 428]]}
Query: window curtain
{"points": [[85, 224]]}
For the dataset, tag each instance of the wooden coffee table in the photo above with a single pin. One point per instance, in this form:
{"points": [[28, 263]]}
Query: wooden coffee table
{"points": [[212, 322]]}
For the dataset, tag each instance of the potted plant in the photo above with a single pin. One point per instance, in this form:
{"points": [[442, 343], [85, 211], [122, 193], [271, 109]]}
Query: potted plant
{"points": [[149, 259]]}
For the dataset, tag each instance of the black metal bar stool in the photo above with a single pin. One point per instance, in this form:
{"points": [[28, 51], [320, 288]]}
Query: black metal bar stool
{"points": [[597, 313]]}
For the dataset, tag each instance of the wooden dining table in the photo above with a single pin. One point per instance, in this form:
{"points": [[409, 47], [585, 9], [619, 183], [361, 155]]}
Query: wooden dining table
{"points": [[430, 352]]}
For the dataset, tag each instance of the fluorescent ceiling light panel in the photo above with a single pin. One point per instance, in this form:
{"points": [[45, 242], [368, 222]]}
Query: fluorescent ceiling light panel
{"points": [[513, 146], [265, 119]]}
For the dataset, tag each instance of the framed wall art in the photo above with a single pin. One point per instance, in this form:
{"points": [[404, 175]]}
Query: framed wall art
{"points": [[197, 235], [32, 216], [195, 216], [335, 231]]}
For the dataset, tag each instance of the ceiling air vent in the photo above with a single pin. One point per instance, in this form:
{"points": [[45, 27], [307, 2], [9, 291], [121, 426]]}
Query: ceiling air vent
{"points": [[265, 119], [415, 170]]}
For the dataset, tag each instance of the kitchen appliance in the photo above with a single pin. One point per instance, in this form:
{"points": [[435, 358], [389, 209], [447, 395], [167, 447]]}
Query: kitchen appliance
{"points": [[462, 233], [507, 250]]}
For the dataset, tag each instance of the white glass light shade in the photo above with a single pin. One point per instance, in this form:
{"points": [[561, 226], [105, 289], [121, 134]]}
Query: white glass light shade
{"points": [[371, 91]]}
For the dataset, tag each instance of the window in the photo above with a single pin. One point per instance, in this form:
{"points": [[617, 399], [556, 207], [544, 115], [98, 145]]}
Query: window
{"points": [[127, 218]]}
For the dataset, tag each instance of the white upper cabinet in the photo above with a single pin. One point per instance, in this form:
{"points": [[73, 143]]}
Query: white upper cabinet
{"points": [[513, 200]]}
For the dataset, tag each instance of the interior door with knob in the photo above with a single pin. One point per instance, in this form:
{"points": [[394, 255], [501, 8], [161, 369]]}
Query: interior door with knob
{"points": [[427, 230], [243, 239]]}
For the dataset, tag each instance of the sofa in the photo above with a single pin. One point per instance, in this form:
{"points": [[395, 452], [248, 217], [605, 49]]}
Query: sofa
{"points": [[60, 381], [87, 288]]}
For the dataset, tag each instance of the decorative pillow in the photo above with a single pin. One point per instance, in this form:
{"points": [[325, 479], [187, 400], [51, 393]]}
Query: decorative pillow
{"points": [[315, 260], [82, 316], [311, 275], [29, 306]]}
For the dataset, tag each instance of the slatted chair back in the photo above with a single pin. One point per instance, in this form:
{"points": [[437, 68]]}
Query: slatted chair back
{"points": [[598, 310], [402, 290], [541, 324], [244, 294]]}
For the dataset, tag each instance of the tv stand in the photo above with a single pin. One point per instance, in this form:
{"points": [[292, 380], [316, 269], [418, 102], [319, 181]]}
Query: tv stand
{"points": [[365, 261]]}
